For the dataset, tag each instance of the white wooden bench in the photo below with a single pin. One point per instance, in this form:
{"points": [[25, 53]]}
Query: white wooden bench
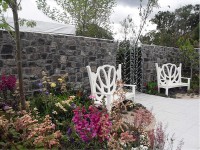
{"points": [[103, 84], [169, 76]]}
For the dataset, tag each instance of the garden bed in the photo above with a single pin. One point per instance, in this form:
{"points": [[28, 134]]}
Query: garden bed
{"points": [[60, 118]]}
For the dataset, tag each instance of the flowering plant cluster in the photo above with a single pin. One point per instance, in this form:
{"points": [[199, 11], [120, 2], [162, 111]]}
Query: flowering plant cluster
{"points": [[142, 118], [8, 89], [7, 82], [128, 132], [50, 86], [71, 121], [42, 134], [22, 131], [91, 124]]}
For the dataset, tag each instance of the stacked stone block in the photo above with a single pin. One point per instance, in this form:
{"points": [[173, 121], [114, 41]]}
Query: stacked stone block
{"points": [[56, 54]]}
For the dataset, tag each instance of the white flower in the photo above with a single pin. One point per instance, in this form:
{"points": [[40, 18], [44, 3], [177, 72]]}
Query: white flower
{"points": [[54, 112], [134, 148], [142, 147], [60, 106], [142, 136]]}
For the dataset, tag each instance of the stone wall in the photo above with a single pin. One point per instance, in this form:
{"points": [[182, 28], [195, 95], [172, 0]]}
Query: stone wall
{"points": [[156, 54], [56, 54]]}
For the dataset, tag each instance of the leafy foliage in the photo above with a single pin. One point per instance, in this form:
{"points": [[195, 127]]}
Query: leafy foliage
{"points": [[93, 30], [90, 17], [183, 22], [188, 54], [151, 88]]}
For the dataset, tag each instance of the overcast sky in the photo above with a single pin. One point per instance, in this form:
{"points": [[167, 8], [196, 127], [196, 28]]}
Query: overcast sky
{"points": [[130, 7], [121, 11]]}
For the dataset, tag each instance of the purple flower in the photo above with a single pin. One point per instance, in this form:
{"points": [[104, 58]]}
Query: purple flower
{"points": [[40, 84], [71, 140], [47, 93], [6, 107], [69, 131], [73, 105]]}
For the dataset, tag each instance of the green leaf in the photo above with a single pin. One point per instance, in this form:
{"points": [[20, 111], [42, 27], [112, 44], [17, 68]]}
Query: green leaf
{"points": [[5, 6], [2, 144], [3, 26]]}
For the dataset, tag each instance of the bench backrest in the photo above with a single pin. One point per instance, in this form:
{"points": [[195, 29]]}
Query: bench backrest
{"points": [[104, 80], [168, 74]]}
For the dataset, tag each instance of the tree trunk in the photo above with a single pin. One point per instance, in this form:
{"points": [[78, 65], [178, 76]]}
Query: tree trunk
{"points": [[18, 54]]}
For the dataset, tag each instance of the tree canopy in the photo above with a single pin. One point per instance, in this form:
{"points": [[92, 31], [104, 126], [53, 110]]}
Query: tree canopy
{"points": [[85, 14], [183, 22]]}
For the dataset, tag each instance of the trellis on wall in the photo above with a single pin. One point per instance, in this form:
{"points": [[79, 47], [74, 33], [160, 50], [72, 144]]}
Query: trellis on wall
{"points": [[130, 58], [136, 67], [138, 63]]}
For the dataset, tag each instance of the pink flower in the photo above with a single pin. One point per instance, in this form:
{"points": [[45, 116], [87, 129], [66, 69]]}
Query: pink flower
{"points": [[93, 97], [127, 137], [92, 123]]}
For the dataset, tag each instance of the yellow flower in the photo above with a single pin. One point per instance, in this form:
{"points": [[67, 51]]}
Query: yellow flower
{"points": [[60, 80], [60, 106], [53, 85]]}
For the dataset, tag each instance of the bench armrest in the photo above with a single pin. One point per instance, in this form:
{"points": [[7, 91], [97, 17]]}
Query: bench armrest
{"points": [[185, 78], [133, 87], [188, 79]]}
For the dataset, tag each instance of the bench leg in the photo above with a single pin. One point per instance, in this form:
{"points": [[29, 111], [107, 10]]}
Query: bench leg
{"points": [[166, 91], [108, 103], [133, 98], [158, 90], [188, 88]]}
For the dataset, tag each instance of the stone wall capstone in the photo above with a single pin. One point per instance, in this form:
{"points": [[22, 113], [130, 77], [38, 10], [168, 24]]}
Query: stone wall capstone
{"points": [[56, 54]]}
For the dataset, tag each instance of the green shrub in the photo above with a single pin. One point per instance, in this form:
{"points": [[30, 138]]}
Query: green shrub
{"points": [[151, 88], [195, 84]]}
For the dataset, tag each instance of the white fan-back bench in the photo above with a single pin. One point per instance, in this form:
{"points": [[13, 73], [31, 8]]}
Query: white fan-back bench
{"points": [[169, 76], [103, 84]]}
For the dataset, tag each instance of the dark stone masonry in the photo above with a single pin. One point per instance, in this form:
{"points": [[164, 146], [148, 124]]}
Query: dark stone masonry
{"points": [[56, 54]]}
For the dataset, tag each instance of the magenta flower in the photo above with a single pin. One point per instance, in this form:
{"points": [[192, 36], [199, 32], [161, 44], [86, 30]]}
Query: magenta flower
{"points": [[91, 124], [7, 82]]}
